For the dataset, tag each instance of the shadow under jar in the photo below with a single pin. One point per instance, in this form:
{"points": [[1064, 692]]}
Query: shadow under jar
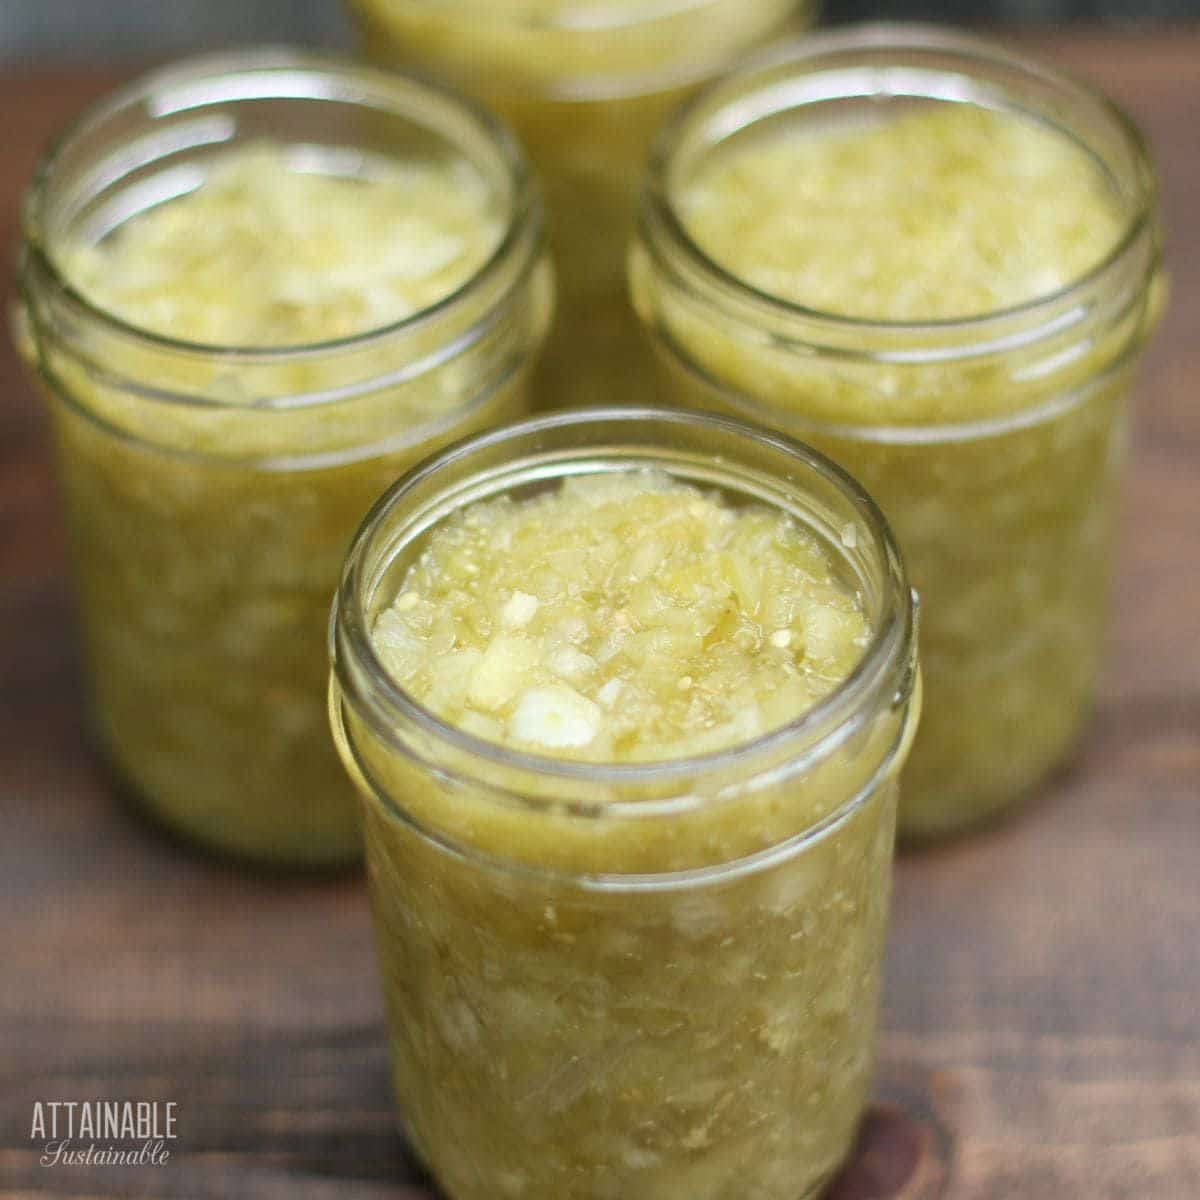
{"points": [[211, 490], [628, 976], [586, 84], [938, 263]]}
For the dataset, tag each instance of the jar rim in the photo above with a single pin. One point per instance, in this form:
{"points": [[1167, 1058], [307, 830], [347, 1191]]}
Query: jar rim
{"points": [[584, 17], [599, 35], [885, 672], [663, 231], [330, 77]]}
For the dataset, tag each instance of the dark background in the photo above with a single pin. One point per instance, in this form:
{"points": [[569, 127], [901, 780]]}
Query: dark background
{"points": [[81, 29]]}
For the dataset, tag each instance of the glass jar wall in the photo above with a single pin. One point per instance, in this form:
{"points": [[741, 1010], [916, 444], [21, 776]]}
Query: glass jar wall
{"points": [[993, 438], [211, 490], [621, 978], [586, 85]]}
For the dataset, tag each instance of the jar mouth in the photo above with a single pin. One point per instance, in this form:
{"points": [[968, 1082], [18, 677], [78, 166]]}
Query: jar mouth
{"points": [[885, 673], [578, 16], [596, 51], [283, 74], [857, 59]]}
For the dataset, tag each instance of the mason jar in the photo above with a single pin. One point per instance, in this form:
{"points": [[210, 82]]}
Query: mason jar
{"points": [[629, 979], [994, 442], [210, 491], [586, 84]]}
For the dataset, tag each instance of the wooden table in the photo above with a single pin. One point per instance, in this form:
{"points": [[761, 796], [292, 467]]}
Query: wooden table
{"points": [[1041, 1030]]}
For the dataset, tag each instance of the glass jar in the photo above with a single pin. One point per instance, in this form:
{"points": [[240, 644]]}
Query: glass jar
{"points": [[586, 84], [630, 980], [994, 443], [211, 491]]}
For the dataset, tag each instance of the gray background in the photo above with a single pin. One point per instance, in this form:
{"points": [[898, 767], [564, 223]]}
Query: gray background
{"points": [[76, 29]]}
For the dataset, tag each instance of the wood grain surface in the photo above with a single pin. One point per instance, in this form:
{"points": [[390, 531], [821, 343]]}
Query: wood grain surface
{"points": [[1041, 1027]]}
